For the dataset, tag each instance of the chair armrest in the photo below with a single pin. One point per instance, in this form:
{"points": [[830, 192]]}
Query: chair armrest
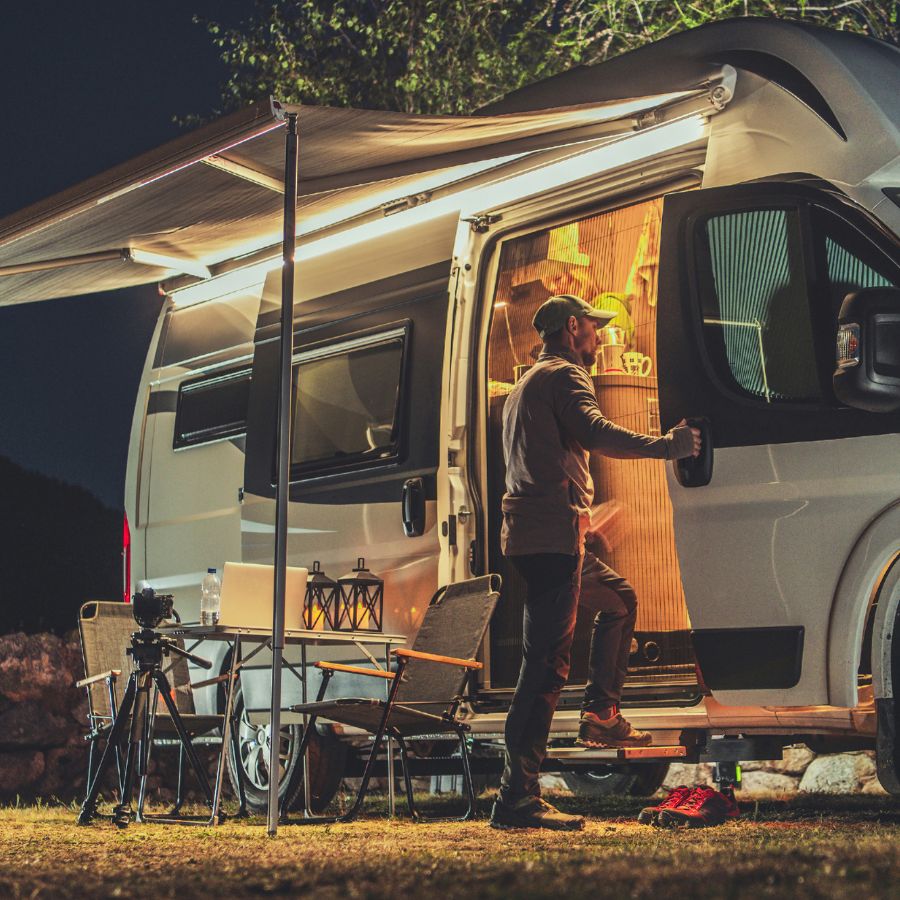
{"points": [[355, 670], [432, 657], [112, 674], [219, 679]]}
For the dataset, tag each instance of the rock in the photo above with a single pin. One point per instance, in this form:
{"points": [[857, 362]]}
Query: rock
{"points": [[29, 724], [39, 667], [795, 761], [65, 773], [686, 773], [19, 772], [873, 786], [840, 773], [768, 783]]}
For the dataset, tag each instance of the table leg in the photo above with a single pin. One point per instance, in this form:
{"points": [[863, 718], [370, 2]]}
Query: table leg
{"points": [[215, 818], [307, 791], [390, 741]]}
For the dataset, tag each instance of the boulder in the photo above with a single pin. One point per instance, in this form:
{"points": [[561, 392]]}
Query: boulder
{"points": [[794, 762], [39, 667], [840, 773], [873, 786], [20, 771], [768, 783], [65, 773], [686, 773], [29, 724]]}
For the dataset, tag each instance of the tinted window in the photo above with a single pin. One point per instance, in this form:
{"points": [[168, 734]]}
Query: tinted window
{"points": [[756, 317], [212, 408], [347, 403]]}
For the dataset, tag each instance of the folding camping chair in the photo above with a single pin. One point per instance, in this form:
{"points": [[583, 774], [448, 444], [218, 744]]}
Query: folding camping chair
{"points": [[106, 629], [426, 689]]}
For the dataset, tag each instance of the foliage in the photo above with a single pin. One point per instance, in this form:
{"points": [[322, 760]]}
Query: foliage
{"points": [[452, 56]]}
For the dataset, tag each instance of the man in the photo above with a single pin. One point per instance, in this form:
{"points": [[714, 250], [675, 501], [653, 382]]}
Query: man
{"points": [[551, 422]]}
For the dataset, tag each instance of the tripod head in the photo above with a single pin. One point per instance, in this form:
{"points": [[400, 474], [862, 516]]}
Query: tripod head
{"points": [[148, 647]]}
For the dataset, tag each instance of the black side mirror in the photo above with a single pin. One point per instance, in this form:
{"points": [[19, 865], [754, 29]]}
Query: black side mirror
{"points": [[696, 471], [868, 350]]}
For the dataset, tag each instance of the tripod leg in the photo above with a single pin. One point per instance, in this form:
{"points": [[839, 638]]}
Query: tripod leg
{"points": [[144, 755], [179, 790], [163, 684], [122, 814], [110, 752]]}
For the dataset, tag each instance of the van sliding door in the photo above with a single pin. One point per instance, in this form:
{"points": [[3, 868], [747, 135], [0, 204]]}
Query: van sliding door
{"points": [[751, 281]]}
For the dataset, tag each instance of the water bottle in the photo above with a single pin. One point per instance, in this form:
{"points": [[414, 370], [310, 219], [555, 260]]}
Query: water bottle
{"points": [[210, 597]]}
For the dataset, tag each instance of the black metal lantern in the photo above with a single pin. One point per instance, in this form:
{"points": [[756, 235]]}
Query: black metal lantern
{"points": [[321, 605], [361, 600]]}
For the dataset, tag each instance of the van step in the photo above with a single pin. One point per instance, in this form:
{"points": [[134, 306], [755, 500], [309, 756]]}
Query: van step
{"points": [[617, 754]]}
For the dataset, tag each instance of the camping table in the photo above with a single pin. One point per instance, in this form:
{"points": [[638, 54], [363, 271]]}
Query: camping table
{"points": [[262, 637]]}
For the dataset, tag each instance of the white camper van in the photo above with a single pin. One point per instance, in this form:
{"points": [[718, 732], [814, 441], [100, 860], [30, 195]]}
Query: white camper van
{"points": [[732, 193]]}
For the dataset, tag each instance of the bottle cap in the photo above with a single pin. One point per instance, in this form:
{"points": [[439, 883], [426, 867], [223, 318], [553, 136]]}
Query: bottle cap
{"points": [[211, 571]]}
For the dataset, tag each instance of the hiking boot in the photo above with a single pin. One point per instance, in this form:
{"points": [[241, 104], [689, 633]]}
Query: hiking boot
{"points": [[533, 812], [703, 807], [650, 814], [614, 732]]}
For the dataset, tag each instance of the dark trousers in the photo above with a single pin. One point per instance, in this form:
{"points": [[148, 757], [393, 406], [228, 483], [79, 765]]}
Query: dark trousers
{"points": [[554, 583]]}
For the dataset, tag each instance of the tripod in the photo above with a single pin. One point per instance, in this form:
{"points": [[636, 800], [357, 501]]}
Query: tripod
{"points": [[147, 651]]}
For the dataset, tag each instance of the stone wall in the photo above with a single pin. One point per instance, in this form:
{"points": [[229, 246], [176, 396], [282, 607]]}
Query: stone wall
{"points": [[43, 719]]}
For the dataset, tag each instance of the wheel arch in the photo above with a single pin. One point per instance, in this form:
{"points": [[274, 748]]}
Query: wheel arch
{"points": [[870, 565]]}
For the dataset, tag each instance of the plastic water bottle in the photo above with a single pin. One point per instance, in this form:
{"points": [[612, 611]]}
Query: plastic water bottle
{"points": [[210, 597]]}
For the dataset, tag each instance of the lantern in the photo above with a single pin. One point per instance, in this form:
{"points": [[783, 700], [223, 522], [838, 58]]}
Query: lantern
{"points": [[321, 604], [361, 600]]}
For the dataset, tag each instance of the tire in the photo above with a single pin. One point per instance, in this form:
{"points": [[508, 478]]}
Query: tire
{"points": [[605, 781], [327, 759]]}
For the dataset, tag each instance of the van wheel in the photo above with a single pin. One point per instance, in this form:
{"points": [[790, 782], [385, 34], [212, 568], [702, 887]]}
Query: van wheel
{"points": [[604, 781], [327, 759]]}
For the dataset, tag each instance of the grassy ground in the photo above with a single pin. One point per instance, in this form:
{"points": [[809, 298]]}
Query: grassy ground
{"points": [[809, 847]]}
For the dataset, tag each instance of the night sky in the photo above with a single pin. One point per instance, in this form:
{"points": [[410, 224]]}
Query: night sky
{"points": [[86, 85]]}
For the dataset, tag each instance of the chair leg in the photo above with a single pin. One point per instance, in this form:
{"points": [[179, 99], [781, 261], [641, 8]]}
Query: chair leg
{"points": [[407, 781], [467, 780], [179, 789], [467, 775]]}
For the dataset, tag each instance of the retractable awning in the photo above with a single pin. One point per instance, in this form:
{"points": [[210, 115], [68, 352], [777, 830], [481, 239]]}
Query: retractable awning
{"points": [[216, 193]]}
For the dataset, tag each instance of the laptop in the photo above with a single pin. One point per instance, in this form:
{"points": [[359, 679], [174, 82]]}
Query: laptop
{"points": [[248, 596]]}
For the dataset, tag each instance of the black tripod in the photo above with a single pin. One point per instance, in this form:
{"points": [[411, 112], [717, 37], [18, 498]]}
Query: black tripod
{"points": [[147, 650]]}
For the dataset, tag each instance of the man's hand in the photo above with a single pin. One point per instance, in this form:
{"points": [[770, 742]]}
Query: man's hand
{"points": [[695, 434]]}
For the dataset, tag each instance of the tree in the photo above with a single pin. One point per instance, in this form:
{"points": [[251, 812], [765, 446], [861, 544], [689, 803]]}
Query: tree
{"points": [[452, 56]]}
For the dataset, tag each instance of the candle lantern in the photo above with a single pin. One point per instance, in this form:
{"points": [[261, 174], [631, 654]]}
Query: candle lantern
{"points": [[361, 600], [321, 605]]}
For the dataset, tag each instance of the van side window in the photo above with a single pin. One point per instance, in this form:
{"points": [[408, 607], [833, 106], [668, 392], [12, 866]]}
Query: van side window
{"points": [[347, 403], [212, 408], [756, 318]]}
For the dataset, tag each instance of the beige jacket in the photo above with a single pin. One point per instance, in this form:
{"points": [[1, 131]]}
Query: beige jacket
{"points": [[551, 422]]}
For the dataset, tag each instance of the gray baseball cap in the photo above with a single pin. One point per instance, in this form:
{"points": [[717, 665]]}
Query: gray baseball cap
{"points": [[555, 312]]}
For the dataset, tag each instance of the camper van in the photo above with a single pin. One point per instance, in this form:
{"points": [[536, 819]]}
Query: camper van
{"points": [[732, 194]]}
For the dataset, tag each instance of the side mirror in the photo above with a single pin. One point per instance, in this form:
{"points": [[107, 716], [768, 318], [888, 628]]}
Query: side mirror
{"points": [[868, 350]]}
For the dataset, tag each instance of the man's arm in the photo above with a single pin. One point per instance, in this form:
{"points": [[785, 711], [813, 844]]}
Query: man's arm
{"points": [[579, 415]]}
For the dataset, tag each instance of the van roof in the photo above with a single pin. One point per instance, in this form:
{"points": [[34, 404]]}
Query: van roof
{"points": [[197, 203]]}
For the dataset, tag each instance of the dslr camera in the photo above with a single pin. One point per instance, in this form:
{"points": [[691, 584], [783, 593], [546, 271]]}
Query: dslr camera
{"points": [[150, 608]]}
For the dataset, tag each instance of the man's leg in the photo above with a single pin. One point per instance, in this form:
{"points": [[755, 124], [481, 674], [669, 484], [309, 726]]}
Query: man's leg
{"points": [[616, 600], [548, 626]]}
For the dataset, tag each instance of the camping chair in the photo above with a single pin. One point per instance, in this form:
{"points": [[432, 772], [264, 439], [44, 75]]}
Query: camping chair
{"points": [[106, 629], [426, 688]]}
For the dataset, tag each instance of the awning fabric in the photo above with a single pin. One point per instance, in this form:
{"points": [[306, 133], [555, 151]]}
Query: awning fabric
{"points": [[214, 194]]}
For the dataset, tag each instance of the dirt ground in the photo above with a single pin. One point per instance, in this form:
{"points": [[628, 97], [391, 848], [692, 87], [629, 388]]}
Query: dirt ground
{"points": [[806, 847]]}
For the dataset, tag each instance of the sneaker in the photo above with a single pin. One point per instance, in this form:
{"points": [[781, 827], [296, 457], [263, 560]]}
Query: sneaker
{"points": [[533, 812], [615, 732], [703, 807], [650, 814]]}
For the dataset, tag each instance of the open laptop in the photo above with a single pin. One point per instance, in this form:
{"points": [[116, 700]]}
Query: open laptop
{"points": [[248, 595]]}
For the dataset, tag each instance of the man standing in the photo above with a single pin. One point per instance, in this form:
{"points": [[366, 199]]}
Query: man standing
{"points": [[551, 422]]}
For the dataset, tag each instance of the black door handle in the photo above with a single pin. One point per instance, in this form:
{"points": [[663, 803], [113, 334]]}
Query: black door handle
{"points": [[696, 471], [413, 507]]}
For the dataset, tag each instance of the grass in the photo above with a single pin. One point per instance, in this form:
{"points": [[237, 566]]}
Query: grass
{"points": [[806, 847]]}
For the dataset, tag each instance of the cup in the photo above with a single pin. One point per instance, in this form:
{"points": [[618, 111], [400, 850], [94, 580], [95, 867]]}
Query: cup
{"points": [[612, 357], [637, 363]]}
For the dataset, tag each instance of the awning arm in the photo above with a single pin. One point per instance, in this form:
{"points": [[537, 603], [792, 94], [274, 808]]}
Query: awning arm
{"points": [[124, 254]]}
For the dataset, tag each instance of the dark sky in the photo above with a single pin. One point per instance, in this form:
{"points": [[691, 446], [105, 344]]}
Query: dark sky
{"points": [[86, 84]]}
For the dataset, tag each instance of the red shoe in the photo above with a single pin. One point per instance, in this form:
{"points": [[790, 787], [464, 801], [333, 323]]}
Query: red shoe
{"points": [[649, 814], [702, 807]]}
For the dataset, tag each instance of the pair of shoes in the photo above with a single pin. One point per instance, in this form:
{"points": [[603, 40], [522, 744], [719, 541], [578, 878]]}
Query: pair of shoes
{"points": [[533, 812], [701, 807], [614, 732], [649, 815]]}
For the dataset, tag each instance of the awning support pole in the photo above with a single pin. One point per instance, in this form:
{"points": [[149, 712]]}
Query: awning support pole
{"points": [[282, 496]]}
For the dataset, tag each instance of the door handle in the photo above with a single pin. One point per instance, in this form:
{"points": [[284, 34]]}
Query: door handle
{"points": [[413, 507], [696, 471]]}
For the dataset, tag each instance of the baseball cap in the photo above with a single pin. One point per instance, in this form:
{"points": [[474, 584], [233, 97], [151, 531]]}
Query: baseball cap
{"points": [[554, 313]]}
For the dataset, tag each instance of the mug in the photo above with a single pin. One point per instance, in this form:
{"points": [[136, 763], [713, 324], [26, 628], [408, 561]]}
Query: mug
{"points": [[612, 357], [637, 364]]}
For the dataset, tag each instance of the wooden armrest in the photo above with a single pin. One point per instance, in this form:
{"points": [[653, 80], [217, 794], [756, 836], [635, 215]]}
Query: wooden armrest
{"points": [[355, 670], [432, 657], [112, 674], [202, 684]]}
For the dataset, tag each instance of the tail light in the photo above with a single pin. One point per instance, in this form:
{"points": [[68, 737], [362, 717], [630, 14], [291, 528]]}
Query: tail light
{"points": [[126, 560]]}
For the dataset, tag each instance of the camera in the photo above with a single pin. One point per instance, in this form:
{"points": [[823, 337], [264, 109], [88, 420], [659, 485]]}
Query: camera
{"points": [[150, 608]]}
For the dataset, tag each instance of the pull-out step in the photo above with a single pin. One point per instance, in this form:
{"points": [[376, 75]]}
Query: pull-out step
{"points": [[617, 754]]}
